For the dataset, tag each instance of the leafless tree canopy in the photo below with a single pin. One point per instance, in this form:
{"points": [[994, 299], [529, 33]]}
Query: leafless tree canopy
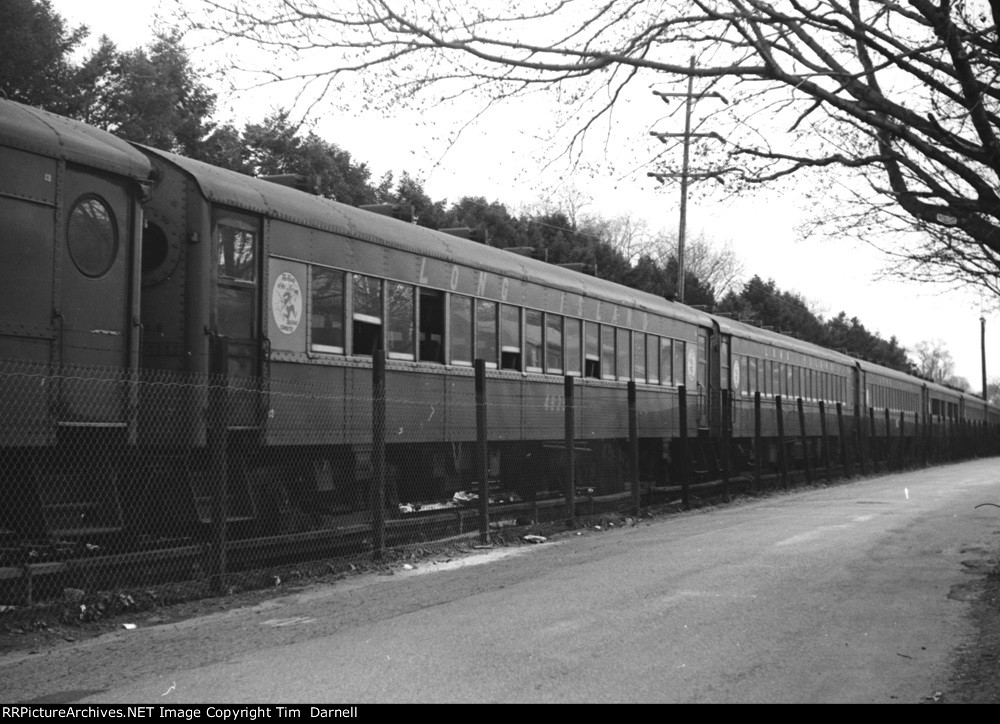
{"points": [[892, 104], [934, 361], [714, 262]]}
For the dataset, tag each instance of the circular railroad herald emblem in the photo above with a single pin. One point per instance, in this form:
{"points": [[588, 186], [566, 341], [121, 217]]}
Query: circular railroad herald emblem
{"points": [[286, 302]]}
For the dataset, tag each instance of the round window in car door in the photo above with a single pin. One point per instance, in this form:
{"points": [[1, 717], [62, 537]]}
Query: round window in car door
{"points": [[92, 236]]}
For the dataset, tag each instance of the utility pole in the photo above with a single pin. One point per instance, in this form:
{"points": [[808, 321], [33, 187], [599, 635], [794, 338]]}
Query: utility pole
{"points": [[685, 174], [682, 230], [982, 325]]}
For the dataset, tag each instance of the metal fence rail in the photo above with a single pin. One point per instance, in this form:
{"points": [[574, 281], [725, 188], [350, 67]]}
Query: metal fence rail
{"points": [[115, 480]]}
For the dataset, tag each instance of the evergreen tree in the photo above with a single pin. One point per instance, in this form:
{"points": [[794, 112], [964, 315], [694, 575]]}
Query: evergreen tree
{"points": [[151, 96], [275, 146], [35, 50]]}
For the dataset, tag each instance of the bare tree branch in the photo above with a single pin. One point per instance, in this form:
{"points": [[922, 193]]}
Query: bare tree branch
{"points": [[894, 105]]}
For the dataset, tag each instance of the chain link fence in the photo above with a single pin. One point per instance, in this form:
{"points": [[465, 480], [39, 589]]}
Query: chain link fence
{"points": [[124, 482]]}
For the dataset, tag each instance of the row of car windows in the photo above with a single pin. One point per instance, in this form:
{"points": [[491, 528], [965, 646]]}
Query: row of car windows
{"points": [[944, 408], [428, 325], [883, 397], [771, 377]]}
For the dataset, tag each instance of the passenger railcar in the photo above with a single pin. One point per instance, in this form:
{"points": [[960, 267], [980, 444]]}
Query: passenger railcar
{"points": [[70, 200], [893, 410], [884, 389], [951, 415], [305, 290], [774, 365]]}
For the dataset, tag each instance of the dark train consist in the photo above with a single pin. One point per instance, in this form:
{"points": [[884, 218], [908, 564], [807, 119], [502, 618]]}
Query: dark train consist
{"points": [[122, 265]]}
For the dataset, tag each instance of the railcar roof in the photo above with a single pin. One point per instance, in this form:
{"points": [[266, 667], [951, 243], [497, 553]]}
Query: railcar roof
{"points": [[37, 131], [934, 387], [873, 368], [942, 390], [229, 188], [764, 336]]}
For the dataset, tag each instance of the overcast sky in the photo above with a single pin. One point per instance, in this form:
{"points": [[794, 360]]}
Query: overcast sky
{"points": [[500, 157]]}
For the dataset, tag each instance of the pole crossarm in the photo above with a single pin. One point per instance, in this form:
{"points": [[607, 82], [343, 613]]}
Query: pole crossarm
{"points": [[664, 95], [693, 175], [663, 136]]}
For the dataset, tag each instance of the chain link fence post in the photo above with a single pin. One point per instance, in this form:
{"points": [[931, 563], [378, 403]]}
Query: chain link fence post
{"points": [[826, 440], [876, 453], [890, 441], [482, 453], [901, 446], [845, 462], [782, 453], [570, 443], [682, 446], [377, 492], [727, 434], [803, 438], [216, 439], [633, 444], [758, 445]]}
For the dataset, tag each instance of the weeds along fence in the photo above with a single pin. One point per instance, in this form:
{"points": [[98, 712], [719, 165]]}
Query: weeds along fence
{"points": [[126, 481]]}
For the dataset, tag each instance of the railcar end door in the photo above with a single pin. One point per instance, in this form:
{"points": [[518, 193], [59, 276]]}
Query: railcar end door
{"points": [[93, 301]]}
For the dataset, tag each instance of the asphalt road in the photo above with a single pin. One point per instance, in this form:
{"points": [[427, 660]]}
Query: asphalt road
{"points": [[852, 593]]}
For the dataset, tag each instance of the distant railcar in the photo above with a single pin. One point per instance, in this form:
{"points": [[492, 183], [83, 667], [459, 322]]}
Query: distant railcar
{"points": [[772, 364]]}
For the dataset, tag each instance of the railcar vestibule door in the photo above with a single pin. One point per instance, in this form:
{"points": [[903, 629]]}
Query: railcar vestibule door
{"points": [[702, 390], [237, 251], [719, 371], [93, 306]]}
